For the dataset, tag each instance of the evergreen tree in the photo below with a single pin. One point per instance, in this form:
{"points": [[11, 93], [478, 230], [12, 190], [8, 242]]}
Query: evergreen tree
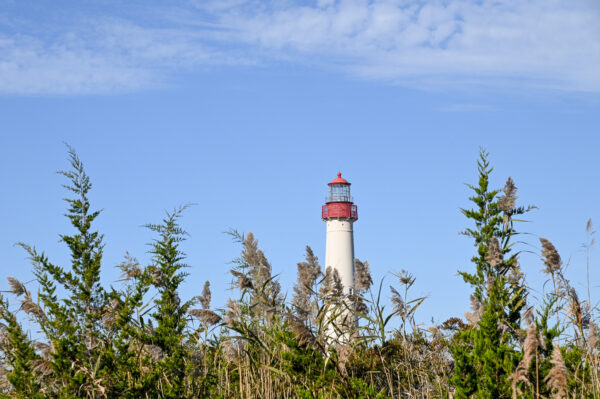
{"points": [[485, 352], [19, 353], [166, 344], [73, 325]]}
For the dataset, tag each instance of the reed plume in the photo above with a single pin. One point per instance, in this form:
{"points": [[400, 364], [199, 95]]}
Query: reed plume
{"points": [[592, 337], [206, 296], [530, 347], [308, 273], [494, 256], [17, 287], [362, 276], [507, 201], [207, 316], [550, 257], [130, 268], [557, 377], [474, 316]]}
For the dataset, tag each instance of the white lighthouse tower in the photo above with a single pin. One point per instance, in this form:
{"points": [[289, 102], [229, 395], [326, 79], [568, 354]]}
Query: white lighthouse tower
{"points": [[340, 213]]}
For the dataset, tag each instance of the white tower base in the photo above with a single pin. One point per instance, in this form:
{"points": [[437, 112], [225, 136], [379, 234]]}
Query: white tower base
{"points": [[339, 250], [339, 255]]}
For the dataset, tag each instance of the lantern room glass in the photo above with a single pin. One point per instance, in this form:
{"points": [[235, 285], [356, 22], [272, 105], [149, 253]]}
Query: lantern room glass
{"points": [[339, 193]]}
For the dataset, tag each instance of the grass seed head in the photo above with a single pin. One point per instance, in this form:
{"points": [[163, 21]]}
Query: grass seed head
{"points": [[593, 337], [557, 377], [206, 296], [494, 256], [207, 316], [17, 287], [550, 257], [507, 201], [362, 276]]}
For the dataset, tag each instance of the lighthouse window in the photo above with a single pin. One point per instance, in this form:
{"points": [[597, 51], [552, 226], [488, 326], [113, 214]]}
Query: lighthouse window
{"points": [[339, 193]]}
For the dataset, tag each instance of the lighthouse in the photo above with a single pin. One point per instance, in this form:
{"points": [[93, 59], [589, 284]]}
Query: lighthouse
{"points": [[340, 213]]}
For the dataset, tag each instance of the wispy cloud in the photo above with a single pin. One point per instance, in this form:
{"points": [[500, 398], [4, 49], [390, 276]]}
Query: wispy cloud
{"points": [[439, 44], [543, 43], [103, 56]]}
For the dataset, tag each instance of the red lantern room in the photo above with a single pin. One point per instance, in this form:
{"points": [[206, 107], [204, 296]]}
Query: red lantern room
{"points": [[339, 202]]}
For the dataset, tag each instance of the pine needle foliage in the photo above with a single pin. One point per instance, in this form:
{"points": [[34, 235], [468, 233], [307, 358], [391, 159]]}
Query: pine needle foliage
{"points": [[486, 354], [19, 355], [73, 324], [166, 342]]}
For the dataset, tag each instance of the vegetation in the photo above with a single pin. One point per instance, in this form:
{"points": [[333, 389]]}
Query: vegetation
{"points": [[144, 341]]}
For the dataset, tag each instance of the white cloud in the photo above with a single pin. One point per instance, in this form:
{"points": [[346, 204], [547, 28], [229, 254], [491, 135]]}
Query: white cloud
{"points": [[104, 56], [29, 66], [440, 44], [542, 43]]}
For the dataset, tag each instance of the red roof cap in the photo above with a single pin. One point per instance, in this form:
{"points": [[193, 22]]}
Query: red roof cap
{"points": [[339, 180]]}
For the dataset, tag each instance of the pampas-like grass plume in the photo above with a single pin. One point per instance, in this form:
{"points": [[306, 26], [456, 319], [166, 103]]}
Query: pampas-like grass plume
{"points": [[398, 302], [207, 316], [130, 267], [302, 333], [592, 337], [233, 313], [494, 256], [362, 276], [529, 350], [243, 282], [32, 308], [557, 377], [4, 383], [550, 257], [44, 349], [308, 273], [507, 201], [579, 311], [206, 296], [477, 310], [17, 287], [331, 286], [41, 367]]}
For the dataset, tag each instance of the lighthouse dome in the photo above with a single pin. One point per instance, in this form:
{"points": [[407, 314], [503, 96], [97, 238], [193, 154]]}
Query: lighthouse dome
{"points": [[339, 180]]}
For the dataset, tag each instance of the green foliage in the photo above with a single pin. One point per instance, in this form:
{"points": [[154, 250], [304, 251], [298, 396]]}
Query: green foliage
{"points": [[486, 352], [141, 340], [168, 338], [73, 324], [20, 356]]}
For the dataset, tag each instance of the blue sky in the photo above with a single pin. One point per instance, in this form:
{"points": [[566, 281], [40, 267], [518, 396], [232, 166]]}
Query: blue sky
{"points": [[249, 108]]}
